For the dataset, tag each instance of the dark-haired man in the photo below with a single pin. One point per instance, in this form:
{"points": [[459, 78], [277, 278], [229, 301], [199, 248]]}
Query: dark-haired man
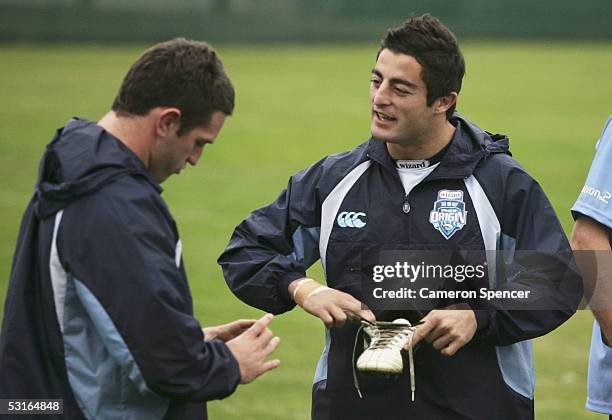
{"points": [[428, 179], [99, 312]]}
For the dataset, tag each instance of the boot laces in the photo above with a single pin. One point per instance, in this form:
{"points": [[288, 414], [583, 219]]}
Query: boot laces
{"points": [[387, 335]]}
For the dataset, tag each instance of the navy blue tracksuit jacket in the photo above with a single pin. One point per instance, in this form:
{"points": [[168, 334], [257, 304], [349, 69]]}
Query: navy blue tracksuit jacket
{"points": [[98, 311], [504, 209]]}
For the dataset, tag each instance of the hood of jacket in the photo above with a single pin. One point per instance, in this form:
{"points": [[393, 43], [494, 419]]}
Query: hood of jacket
{"points": [[81, 159]]}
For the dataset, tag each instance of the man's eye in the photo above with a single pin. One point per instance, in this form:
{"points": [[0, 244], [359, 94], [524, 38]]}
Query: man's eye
{"points": [[375, 81], [402, 92]]}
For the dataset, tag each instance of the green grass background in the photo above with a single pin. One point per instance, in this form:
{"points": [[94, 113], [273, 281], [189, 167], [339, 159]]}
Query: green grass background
{"points": [[296, 104]]}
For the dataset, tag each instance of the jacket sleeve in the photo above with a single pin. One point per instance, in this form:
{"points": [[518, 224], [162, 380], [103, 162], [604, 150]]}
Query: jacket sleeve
{"points": [[121, 254], [534, 256], [275, 245]]}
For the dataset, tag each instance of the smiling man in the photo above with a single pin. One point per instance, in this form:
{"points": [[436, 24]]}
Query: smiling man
{"points": [[427, 179], [99, 312]]}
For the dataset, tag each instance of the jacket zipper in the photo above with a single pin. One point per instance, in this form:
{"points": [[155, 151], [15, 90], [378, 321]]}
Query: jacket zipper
{"points": [[406, 205]]}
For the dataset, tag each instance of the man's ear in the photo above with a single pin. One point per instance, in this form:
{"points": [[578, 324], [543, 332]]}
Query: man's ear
{"points": [[443, 103], [168, 121]]}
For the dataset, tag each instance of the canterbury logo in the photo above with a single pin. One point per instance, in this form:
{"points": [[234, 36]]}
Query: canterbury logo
{"points": [[351, 219]]}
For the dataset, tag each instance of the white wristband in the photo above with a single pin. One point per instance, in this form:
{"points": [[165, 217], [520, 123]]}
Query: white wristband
{"points": [[299, 284], [317, 290]]}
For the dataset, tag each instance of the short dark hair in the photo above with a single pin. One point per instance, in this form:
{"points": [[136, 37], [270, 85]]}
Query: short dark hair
{"points": [[180, 73], [436, 49]]}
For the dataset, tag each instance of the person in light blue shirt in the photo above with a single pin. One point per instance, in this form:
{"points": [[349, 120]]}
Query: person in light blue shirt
{"points": [[592, 237]]}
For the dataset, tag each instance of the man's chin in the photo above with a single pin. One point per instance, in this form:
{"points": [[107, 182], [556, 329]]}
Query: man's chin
{"points": [[381, 135], [160, 177]]}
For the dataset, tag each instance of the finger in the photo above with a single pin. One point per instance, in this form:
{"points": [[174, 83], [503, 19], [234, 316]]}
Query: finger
{"points": [[442, 342], [263, 368], [416, 337], [271, 346], [268, 366], [338, 315], [260, 325], [423, 330], [367, 315], [237, 331], [364, 314], [352, 317], [349, 303], [234, 329], [436, 333], [327, 319], [242, 324], [265, 337], [413, 343], [452, 348]]}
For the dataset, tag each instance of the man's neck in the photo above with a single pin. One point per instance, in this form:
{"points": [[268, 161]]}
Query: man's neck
{"points": [[434, 142], [131, 131]]}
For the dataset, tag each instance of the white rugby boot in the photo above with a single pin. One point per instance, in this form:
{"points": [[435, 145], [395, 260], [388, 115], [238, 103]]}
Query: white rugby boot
{"points": [[384, 354]]}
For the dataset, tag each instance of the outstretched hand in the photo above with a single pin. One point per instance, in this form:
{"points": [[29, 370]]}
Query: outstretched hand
{"points": [[252, 347]]}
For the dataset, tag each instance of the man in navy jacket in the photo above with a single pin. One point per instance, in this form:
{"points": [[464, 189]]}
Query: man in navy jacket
{"points": [[98, 311], [428, 179]]}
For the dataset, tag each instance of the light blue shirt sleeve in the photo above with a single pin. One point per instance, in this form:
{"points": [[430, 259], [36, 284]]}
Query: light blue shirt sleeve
{"points": [[595, 199]]}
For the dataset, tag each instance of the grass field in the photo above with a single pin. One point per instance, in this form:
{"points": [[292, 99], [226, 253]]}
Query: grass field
{"points": [[295, 105]]}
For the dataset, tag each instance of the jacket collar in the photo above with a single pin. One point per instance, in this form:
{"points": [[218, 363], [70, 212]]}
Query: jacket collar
{"points": [[469, 146]]}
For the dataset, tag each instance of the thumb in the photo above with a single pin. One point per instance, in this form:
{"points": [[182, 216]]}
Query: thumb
{"points": [[416, 337], [367, 315], [422, 330]]}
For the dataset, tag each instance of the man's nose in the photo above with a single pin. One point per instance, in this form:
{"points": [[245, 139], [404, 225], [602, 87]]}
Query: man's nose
{"points": [[194, 157], [381, 95]]}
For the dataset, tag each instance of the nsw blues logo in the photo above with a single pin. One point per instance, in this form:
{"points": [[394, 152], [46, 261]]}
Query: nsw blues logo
{"points": [[449, 214]]}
